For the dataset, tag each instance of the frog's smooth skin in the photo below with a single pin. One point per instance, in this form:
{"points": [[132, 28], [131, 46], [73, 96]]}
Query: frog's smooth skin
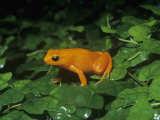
{"points": [[81, 61]]}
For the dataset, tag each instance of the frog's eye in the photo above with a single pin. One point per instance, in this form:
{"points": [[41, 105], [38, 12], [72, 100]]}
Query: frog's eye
{"points": [[55, 58]]}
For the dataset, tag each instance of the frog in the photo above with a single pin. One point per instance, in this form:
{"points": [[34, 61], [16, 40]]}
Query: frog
{"points": [[81, 61]]}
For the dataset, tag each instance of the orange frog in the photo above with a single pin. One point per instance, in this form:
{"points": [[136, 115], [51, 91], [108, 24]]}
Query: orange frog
{"points": [[81, 61]]}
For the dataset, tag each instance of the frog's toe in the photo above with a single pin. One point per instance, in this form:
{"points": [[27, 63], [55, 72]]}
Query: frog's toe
{"points": [[56, 80]]}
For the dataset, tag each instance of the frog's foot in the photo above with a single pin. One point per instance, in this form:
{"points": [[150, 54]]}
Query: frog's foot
{"points": [[105, 73], [57, 80], [99, 81]]}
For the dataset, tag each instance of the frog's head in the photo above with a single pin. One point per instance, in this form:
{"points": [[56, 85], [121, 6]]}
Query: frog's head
{"points": [[53, 57]]}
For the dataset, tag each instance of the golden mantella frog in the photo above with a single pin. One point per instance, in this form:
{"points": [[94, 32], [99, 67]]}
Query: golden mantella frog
{"points": [[81, 61]]}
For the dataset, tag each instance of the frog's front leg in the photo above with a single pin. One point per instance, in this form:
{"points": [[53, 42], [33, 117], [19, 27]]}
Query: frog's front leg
{"points": [[80, 74], [103, 65]]}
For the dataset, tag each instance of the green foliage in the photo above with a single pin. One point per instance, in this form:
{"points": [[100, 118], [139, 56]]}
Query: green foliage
{"points": [[136, 111], [80, 97], [16, 115], [139, 32], [150, 71], [154, 89], [154, 9], [4, 77], [107, 29], [9, 97], [130, 35], [36, 105]]}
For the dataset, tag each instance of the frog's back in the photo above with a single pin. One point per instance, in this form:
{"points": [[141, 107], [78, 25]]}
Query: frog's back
{"points": [[72, 51], [81, 58]]}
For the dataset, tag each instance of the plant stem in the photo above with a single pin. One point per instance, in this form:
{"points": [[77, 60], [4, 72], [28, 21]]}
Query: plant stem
{"points": [[11, 107], [155, 104], [50, 69], [129, 41], [139, 82], [108, 25], [34, 53], [134, 56]]}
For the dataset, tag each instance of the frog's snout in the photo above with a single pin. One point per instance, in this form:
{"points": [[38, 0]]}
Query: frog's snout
{"points": [[48, 58], [45, 59]]}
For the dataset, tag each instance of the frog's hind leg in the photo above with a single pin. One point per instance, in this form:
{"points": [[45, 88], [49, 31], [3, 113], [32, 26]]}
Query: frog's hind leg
{"points": [[104, 75], [105, 67]]}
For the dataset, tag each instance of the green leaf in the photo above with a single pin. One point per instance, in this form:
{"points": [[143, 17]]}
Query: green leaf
{"points": [[2, 50], [50, 103], [4, 77], [76, 28], [45, 25], [121, 103], [81, 96], [151, 23], [61, 32], [133, 93], [137, 58], [118, 72], [154, 9], [28, 45], [35, 66], [35, 105], [11, 96], [92, 103], [122, 30], [16, 115], [119, 114], [106, 29], [9, 18], [151, 45], [142, 110], [109, 44], [83, 113], [2, 62], [128, 57], [110, 87], [38, 87], [150, 71], [6, 31], [139, 32], [62, 116], [68, 109], [25, 24], [21, 85], [64, 112], [154, 89], [9, 39], [156, 113], [103, 18], [132, 20], [123, 54]]}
